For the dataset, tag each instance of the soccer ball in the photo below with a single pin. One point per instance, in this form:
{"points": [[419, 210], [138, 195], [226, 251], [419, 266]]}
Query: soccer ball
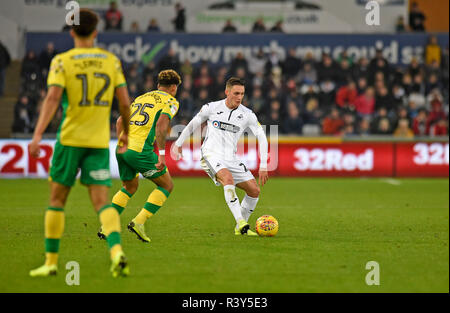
{"points": [[267, 226]]}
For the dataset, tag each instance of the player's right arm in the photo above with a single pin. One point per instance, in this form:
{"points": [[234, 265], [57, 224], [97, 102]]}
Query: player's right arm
{"points": [[124, 109], [197, 121], [48, 109]]}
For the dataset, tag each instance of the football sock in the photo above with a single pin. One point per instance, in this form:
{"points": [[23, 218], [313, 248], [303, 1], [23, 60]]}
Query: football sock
{"points": [[110, 221], [233, 202], [54, 228], [120, 200], [248, 206], [155, 201]]}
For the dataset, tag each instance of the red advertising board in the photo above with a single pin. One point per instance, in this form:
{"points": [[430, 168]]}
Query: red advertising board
{"points": [[420, 159], [293, 158]]}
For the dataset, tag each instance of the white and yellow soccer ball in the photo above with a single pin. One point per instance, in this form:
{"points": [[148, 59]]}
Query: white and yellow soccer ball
{"points": [[267, 226]]}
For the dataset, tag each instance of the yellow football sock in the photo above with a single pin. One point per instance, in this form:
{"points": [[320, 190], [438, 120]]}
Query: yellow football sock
{"points": [[54, 228], [120, 200], [154, 202], [142, 216], [110, 221]]}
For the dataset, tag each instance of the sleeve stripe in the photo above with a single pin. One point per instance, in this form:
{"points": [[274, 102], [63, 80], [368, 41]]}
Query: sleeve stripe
{"points": [[121, 85], [170, 117], [58, 85]]}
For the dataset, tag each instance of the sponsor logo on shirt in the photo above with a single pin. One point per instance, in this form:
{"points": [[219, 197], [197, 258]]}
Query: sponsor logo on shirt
{"points": [[225, 126]]}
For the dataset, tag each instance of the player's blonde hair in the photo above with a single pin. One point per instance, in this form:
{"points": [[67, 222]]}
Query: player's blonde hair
{"points": [[169, 77]]}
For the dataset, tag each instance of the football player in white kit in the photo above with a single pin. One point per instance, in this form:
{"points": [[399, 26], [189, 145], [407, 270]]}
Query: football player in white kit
{"points": [[226, 120]]}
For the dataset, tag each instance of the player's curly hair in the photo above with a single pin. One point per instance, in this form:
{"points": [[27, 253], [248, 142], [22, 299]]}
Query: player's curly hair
{"points": [[88, 23], [169, 77]]}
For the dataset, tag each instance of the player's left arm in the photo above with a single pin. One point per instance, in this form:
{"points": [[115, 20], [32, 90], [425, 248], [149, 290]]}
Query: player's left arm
{"points": [[258, 131], [49, 107]]}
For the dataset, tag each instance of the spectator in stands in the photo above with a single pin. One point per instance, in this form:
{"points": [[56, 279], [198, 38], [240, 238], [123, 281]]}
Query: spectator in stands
{"points": [[415, 68], [400, 26], [326, 69], [379, 64], [364, 126], [5, 60], [398, 95], [344, 72], [257, 101], [432, 51], [332, 124], [361, 85], [239, 61], [229, 27], [291, 64], [273, 61], [187, 103], [30, 75], [46, 57], [278, 27], [437, 111], [153, 26], [402, 113], [113, 18], [365, 103], [440, 128], [383, 127], [22, 116], [346, 96], [257, 62], [420, 124], [258, 26], [134, 27], [179, 21], [292, 124], [327, 94], [432, 83], [201, 99], [380, 114], [403, 129], [384, 99], [169, 62], [416, 18], [361, 69], [307, 75], [149, 71], [312, 113]]}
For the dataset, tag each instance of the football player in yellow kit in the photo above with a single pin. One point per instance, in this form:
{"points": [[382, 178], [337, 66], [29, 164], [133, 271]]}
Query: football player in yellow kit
{"points": [[149, 122], [86, 79]]}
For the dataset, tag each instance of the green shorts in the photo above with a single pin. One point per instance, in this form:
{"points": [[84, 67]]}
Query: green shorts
{"points": [[131, 163], [94, 165]]}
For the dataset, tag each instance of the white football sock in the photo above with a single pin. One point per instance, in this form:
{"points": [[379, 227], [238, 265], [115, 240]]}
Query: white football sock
{"points": [[248, 206], [233, 202]]}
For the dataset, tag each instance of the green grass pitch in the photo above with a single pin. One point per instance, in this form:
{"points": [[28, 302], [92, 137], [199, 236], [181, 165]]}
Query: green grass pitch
{"points": [[329, 230]]}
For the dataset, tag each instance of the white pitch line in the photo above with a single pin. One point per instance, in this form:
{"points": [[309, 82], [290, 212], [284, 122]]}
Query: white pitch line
{"points": [[392, 181]]}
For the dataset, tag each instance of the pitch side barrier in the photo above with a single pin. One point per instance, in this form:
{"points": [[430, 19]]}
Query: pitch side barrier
{"points": [[288, 157]]}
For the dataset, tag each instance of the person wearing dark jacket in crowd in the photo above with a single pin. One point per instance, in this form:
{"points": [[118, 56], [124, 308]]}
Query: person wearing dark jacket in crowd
{"points": [[179, 21], [5, 60]]}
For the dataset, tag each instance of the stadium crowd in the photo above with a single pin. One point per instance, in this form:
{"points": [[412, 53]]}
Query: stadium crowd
{"points": [[303, 96], [335, 97]]}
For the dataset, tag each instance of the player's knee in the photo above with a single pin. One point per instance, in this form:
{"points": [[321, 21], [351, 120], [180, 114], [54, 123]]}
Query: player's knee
{"points": [[131, 186], [169, 187], [254, 192]]}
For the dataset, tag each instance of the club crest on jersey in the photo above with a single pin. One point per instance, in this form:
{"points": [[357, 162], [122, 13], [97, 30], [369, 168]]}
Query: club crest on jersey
{"points": [[240, 117], [225, 126]]}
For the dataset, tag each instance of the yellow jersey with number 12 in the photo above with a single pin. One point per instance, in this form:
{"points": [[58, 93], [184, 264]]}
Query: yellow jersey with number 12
{"points": [[145, 112], [89, 77]]}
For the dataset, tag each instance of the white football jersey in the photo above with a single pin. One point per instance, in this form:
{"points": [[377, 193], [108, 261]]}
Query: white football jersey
{"points": [[225, 127]]}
